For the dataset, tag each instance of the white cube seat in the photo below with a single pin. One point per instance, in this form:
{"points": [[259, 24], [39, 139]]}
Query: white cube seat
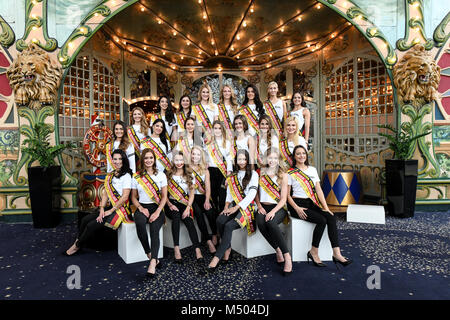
{"points": [[130, 248], [250, 246], [366, 214], [299, 235], [185, 240]]}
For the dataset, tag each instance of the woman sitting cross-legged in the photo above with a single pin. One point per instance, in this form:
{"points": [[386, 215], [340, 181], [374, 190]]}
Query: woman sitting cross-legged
{"points": [[179, 205], [241, 192], [116, 192], [271, 200], [149, 195], [307, 202]]}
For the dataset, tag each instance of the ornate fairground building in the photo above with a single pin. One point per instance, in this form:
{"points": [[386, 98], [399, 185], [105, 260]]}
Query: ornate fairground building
{"points": [[359, 63]]}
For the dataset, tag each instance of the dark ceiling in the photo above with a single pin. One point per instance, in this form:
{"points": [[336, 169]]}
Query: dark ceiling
{"points": [[230, 34]]}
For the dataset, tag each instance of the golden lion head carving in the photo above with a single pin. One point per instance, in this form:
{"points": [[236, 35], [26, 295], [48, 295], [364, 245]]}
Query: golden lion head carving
{"points": [[417, 77], [34, 78]]}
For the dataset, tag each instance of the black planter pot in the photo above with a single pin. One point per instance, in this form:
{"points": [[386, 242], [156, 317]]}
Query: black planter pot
{"points": [[401, 187], [45, 195]]}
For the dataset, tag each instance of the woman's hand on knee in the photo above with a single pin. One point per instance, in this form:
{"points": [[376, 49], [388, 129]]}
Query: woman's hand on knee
{"points": [[301, 212]]}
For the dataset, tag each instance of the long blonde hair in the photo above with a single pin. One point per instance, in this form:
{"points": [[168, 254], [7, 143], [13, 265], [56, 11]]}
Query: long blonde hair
{"points": [[271, 83], [199, 96], [234, 104], [281, 164], [202, 165], [144, 124], [296, 134]]}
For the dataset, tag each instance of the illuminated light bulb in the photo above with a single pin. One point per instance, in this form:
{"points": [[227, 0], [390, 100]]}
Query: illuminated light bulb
{"points": [[188, 43], [244, 24], [252, 10], [153, 59], [253, 59], [289, 50], [192, 70], [271, 55], [299, 18], [266, 39], [209, 30], [159, 21], [282, 29], [319, 6], [238, 37], [131, 49], [290, 58], [164, 53], [198, 61], [200, 1], [251, 48], [142, 9], [216, 53], [145, 48], [237, 57], [268, 66], [246, 69], [204, 16], [174, 33], [173, 67], [232, 48], [333, 35]]}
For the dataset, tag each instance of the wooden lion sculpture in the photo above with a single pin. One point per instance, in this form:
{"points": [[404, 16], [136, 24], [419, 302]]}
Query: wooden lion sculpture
{"points": [[34, 78], [417, 77]]}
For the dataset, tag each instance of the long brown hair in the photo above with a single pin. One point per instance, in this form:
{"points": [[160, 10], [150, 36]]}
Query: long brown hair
{"points": [[141, 166], [187, 174], [248, 167], [281, 163], [224, 133], [269, 132], [125, 141]]}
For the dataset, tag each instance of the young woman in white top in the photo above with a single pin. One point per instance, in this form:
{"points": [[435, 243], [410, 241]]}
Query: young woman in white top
{"points": [[183, 113], [245, 179], [279, 110], [191, 136], [120, 141], [205, 110], [138, 130], [149, 196], [159, 144], [266, 139], [271, 200], [242, 139], [202, 205], [164, 111], [118, 182], [301, 113], [291, 140], [252, 103], [227, 107], [179, 204], [306, 201], [220, 165]]}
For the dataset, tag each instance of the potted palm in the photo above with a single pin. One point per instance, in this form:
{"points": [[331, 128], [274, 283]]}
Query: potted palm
{"points": [[401, 171], [44, 180]]}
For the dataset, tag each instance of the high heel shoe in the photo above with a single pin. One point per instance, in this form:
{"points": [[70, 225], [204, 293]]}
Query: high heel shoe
{"points": [[159, 264], [344, 263], [211, 269], [179, 261], [309, 256], [287, 273], [200, 260]]}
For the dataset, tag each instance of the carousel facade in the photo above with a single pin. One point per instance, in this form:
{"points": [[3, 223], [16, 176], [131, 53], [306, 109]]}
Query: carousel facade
{"points": [[358, 63]]}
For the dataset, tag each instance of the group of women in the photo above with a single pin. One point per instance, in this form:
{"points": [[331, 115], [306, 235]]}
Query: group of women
{"points": [[222, 165]]}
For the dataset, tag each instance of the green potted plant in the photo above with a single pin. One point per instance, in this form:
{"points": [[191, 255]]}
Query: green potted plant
{"points": [[44, 180], [401, 171]]}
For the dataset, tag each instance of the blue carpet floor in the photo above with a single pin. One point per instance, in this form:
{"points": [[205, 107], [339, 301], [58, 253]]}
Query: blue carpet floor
{"points": [[412, 254]]}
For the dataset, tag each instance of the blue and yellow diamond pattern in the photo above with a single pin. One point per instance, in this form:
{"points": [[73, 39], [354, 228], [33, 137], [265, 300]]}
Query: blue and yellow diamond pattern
{"points": [[341, 188]]}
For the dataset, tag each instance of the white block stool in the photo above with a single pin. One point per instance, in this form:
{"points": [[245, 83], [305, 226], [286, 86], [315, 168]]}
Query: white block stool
{"points": [[299, 235], [365, 214], [185, 241], [130, 248], [250, 246]]}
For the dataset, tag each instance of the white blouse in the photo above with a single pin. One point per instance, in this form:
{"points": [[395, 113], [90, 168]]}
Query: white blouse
{"points": [[130, 154], [263, 145], [297, 190], [137, 129], [242, 143], [226, 153], [250, 191], [211, 111], [264, 197], [161, 181], [298, 114], [124, 182], [203, 177]]}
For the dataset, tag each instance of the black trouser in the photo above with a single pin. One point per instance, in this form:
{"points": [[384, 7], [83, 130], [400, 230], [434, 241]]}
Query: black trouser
{"points": [[270, 229], [141, 222], [320, 218], [201, 214], [226, 225], [218, 192], [88, 226], [175, 216]]}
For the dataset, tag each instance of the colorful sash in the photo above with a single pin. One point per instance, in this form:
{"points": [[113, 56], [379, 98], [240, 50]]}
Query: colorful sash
{"points": [[251, 117], [150, 187], [258, 153], [150, 143], [247, 215], [132, 135], [181, 120], [202, 115], [276, 122], [183, 145], [199, 182], [224, 116], [120, 215], [108, 152], [270, 187], [179, 195], [217, 157], [306, 183], [285, 152]]}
